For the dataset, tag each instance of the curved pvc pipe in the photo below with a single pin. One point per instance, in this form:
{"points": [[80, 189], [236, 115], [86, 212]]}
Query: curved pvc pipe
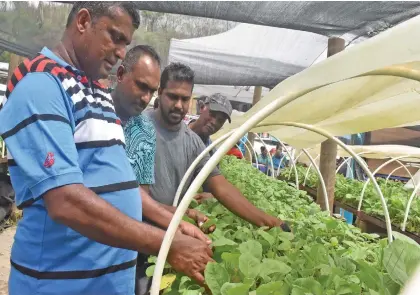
{"points": [[307, 170], [321, 179], [393, 171], [255, 153], [347, 160], [281, 162], [203, 174], [359, 161], [394, 159], [293, 164], [247, 149], [157, 276], [298, 156], [268, 152], [248, 125], [342, 164], [407, 209], [194, 165], [242, 154], [406, 169]]}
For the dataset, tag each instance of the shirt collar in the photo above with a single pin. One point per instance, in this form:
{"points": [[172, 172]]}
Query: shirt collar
{"points": [[51, 55]]}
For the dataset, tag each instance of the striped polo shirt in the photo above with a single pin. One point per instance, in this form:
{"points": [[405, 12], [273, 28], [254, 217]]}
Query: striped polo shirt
{"points": [[60, 128]]}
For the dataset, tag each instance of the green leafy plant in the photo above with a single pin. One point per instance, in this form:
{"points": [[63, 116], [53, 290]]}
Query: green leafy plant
{"points": [[348, 192], [323, 255]]}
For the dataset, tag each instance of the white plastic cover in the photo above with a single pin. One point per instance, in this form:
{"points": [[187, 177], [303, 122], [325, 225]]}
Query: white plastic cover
{"points": [[344, 103], [249, 55], [386, 151]]}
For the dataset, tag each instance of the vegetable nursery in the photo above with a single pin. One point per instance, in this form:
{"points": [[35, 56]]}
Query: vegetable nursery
{"points": [[348, 192], [323, 255], [358, 90]]}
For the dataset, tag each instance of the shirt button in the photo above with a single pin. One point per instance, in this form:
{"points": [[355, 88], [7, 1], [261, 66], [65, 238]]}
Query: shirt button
{"points": [[79, 78]]}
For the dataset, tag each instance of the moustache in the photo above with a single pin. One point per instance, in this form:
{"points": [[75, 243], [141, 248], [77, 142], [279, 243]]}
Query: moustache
{"points": [[176, 112]]}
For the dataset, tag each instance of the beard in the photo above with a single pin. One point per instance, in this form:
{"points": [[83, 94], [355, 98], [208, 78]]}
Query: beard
{"points": [[172, 117]]}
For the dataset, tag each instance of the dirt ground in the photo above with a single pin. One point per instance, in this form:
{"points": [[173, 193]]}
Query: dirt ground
{"points": [[6, 240]]}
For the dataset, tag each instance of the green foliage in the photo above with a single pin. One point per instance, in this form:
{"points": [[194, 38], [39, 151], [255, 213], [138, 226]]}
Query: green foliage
{"points": [[348, 192], [323, 255], [34, 25]]}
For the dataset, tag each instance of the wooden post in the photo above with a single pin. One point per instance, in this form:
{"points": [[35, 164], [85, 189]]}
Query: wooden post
{"points": [[251, 135], [329, 147], [15, 60]]}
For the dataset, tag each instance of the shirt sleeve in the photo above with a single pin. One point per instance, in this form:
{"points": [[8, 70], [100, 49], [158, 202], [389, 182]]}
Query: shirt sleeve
{"points": [[37, 126], [200, 147], [141, 149]]}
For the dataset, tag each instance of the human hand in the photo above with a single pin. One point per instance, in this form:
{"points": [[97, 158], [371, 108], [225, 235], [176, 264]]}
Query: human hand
{"points": [[272, 221], [193, 231], [200, 219], [201, 197], [190, 256]]}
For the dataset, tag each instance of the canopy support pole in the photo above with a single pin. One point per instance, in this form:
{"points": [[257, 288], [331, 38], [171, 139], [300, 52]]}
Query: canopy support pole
{"points": [[327, 163], [251, 136]]}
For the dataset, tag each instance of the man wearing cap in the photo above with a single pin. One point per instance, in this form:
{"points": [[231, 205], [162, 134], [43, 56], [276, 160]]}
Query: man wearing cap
{"points": [[213, 115]]}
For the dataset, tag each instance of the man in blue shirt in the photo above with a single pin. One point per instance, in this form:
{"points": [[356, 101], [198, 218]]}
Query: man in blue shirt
{"points": [[263, 160], [81, 227]]}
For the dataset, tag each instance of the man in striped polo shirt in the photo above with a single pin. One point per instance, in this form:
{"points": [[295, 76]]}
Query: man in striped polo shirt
{"points": [[80, 199]]}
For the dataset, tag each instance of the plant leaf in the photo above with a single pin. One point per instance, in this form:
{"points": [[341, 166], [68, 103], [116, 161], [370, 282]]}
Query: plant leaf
{"points": [[252, 247], [216, 275], [249, 265]]}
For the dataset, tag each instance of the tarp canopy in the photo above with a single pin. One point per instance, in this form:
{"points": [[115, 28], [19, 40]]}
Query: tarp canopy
{"points": [[249, 55], [328, 18], [350, 97], [349, 20], [234, 94], [263, 55]]}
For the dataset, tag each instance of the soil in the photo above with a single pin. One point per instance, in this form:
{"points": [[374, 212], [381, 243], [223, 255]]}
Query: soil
{"points": [[6, 241]]}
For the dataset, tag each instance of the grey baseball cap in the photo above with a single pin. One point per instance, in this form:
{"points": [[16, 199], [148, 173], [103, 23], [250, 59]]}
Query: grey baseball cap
{"points": [[219, 103]]}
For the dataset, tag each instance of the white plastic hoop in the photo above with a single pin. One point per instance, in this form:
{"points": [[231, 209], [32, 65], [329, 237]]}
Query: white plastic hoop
{"points": [[307, 170], [321, 179], [394, 159], [255, 153], [248, 150], [194, 164], [398, 168], [269, 155], [242, 154], [291, 158], [240, 132], [347, 160]]}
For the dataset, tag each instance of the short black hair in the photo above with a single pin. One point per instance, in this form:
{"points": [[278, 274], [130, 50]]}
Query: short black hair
{"points": [[177, 72], [134, 54], [156, 103], [104, 8]]}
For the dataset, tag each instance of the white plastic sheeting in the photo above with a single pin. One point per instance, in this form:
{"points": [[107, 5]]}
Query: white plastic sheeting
{"points": [[350, 97], [249, 55], [386, 151]]}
